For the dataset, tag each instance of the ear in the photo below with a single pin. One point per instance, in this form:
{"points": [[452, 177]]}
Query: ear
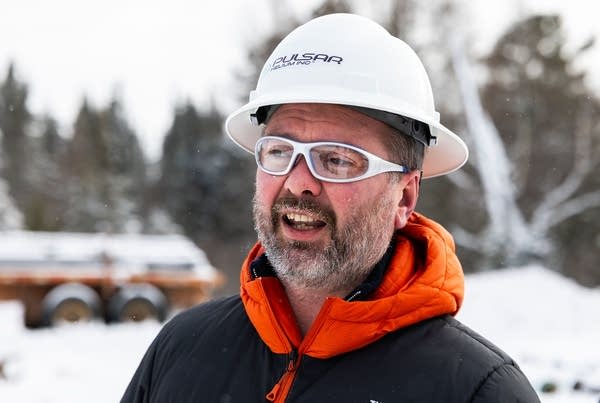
{"points": [[409, 194]]}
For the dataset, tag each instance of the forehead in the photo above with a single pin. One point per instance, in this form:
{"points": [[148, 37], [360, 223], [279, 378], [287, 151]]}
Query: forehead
{"points": [[328, 122]]}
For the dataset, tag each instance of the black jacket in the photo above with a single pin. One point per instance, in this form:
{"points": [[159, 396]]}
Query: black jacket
{"points": [[212, 353]]}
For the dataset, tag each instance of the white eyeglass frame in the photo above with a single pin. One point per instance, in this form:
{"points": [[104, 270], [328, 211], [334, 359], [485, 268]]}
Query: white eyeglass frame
{"points": [[376, 166]]}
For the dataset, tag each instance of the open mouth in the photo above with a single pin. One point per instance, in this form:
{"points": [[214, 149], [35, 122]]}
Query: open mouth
{"points": [[302, 222]]}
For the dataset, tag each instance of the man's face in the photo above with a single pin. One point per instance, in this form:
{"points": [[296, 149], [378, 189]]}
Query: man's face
{"points": [[329, 235]]}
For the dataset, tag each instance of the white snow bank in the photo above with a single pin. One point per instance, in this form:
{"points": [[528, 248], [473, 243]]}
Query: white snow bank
{"points": [[77, 363]]}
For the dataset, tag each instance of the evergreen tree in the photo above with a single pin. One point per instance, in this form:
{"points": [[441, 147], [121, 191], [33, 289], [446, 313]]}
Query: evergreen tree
{"points": [[206, 184], [105, 172], [31, 152], [14, 123], [45, 203]]}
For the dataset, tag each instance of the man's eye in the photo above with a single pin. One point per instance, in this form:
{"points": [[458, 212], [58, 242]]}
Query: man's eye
{"points": [[278, 152], [339, 161]]}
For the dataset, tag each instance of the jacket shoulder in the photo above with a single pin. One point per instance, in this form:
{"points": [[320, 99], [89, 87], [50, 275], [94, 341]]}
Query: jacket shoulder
{"points": [[211, 312], [200, 326], [499, 377], [473, 342]]}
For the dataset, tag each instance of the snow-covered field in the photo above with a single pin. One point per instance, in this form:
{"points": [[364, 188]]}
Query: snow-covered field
{"points": [[548, 324]]}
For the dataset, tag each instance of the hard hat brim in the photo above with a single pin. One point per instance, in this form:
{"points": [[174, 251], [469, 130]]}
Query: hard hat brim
{"points": [[449, 154]]}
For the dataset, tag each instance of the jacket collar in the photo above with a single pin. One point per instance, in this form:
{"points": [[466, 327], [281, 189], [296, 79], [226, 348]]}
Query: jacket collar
{"points": [[422, 279]]}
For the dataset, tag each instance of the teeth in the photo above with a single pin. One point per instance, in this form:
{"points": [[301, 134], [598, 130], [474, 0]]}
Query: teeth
{"points": [[299, 218]]}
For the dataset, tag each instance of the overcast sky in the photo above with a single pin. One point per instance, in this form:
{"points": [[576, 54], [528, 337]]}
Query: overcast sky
{"points": [[157, 53]]}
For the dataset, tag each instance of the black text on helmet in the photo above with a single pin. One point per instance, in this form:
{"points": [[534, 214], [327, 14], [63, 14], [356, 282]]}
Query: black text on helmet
{"points": [[304, 58]]}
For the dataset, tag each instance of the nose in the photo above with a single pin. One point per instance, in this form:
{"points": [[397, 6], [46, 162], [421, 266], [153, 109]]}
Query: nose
{"points": [[300, 181]]}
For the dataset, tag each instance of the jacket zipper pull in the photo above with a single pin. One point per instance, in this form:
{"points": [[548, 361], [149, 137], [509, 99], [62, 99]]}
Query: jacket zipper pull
{"points": [[273, 395]]}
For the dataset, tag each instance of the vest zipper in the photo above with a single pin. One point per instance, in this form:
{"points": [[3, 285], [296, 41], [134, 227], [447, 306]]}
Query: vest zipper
{"points": [[281, 388]]}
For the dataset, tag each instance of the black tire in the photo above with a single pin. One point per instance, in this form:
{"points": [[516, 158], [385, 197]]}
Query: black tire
{"points": [[69, 303], [138, 302]]}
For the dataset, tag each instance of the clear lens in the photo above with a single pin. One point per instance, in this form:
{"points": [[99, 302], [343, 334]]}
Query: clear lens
{"points": [[338, 162], [274, 155]]}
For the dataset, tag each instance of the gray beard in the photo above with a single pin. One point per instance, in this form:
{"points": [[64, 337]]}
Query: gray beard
{"points": [[341, 264]]}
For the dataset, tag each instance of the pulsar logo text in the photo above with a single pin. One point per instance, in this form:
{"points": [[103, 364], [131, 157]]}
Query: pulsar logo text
{"points": [[304, 59]]}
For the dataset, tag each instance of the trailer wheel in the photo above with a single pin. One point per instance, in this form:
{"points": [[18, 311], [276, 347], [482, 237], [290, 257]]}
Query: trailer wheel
{"points": [[138, 302], [69, 303]]}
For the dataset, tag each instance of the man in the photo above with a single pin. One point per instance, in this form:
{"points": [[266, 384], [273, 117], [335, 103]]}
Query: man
{"points": [[349, 294]]}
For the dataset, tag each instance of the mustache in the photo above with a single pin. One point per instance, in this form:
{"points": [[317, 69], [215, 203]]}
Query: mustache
{"points": [[324, 213]]}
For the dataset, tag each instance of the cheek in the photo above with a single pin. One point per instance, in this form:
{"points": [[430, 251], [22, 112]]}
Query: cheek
{"points": [[350, 198], [343, 198], [347, 200], [268, 188]]}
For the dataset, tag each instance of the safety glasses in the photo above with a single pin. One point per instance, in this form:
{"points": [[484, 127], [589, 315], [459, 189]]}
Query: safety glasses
{"points": [[327, 161]]}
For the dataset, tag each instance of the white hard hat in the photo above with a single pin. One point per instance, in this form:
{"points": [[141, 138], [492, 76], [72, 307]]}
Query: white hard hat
{"points": [[350, 60]]}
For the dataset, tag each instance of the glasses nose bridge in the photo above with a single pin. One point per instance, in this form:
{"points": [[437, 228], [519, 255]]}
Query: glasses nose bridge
{"points": [[302, 150]]}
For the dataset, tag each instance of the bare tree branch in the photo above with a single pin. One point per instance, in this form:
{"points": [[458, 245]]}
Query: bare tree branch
{"points": [[573, 207], [544, 215], [506, 225]]}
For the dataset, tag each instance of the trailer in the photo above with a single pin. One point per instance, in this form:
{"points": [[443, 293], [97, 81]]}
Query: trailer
{"points": [[70, 277]]}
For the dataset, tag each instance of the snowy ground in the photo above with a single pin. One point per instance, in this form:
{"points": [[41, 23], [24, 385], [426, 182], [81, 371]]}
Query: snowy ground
{"points": [[548, 324]]}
